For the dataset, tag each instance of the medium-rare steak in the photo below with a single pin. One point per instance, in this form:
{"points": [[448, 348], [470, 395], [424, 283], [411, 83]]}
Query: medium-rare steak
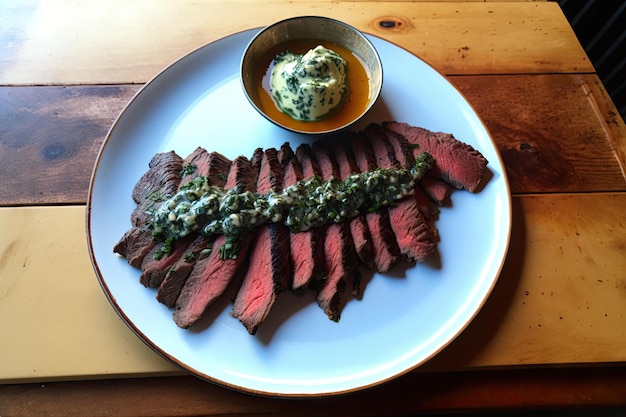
{"points": [[413, 234], [135, 244], [405, 157], [270, 269], [155, 265], [306, 251], [198, 250], [385, 250], [359, 231], [457, 163], [210, 276], [437, 190], [214, 167], [161, 180], [340, 262]]}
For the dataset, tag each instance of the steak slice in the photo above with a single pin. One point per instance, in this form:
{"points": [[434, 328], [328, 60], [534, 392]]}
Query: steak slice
{"points": [[154, 268], [307, 256], [270, 269], [161, 180], [340, 262], [202, 163], [210, 276], [456, 162], [405, 157], [413, 234], [214, 167], [135, 244], [358, 225], [437, 190], [177, 274], [385, 251], [310, 169]]}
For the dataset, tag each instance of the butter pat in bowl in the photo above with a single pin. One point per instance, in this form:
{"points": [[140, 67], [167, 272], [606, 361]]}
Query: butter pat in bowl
{"points": [[311, 74]]}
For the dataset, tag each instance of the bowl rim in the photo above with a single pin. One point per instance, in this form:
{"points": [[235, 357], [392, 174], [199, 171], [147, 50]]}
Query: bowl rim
{"points": [[362, 35]]}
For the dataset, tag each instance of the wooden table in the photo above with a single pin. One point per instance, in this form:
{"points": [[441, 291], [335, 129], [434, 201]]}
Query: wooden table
{"points": [[553, 333]]}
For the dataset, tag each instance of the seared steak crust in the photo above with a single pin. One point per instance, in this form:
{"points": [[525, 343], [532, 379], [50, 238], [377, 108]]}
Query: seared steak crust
{"points": [[161, 179], [198, 250]]}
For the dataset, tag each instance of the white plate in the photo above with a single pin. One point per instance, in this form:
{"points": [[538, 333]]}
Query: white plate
{"points": [[403, 319]]}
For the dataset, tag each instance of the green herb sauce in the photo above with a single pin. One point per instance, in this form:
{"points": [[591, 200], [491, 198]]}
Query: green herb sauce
{"points": [[200, 207]]}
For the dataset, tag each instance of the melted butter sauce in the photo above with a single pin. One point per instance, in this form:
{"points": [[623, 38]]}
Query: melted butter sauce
{"points": [[354, 105]]}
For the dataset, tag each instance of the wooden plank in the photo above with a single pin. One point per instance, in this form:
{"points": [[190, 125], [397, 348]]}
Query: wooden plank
{"points": [[553, 135], [413, 394], [53, 307], [60, 42], [50, 139], [559, 299], [562, 290]]}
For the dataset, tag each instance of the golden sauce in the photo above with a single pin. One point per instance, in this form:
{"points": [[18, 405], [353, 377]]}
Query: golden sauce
{"points": [[354, 105]]}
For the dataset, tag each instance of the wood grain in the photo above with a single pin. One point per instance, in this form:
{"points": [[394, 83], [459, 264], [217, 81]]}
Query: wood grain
{"points": [[559, 299], [549, 129], [413, 394], [49, 140], [121, 42]]}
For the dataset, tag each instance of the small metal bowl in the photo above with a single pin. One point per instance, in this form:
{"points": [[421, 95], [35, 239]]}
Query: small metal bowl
{"points": [[261, 51]]}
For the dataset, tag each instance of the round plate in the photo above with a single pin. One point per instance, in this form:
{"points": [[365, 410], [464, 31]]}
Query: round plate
{"points": [[404, 317]]}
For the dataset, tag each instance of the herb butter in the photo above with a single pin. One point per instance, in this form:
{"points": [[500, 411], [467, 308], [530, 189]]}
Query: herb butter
{"points": [[308, 87]]}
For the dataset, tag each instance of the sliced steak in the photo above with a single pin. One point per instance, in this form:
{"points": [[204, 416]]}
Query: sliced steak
{"points": [[198, 250], [340, 261], [210, 276], [306, 251], [405, 157], [161, 180], [214, 167], [154, 267], [135, 244], [457, 163], [310, 169], [358, 225], [413, 234], [385, 251], [198, 163], [437, 190], [270, 267]]}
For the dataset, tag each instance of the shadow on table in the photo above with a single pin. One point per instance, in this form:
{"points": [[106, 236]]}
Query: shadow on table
{"points": [[480, 331]]}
